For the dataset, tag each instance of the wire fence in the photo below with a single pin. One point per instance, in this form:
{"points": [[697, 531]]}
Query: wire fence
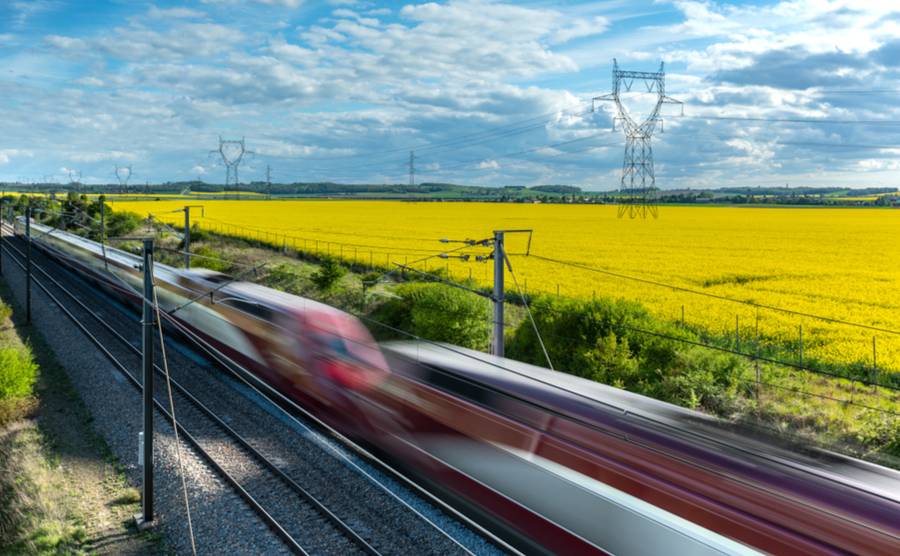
{"points": [[860, 394], [746, 339]]}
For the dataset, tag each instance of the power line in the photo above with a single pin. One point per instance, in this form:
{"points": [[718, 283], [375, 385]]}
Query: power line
{"points": [[534, 159], [797, 120], [437, 143], [714, 296], [792, 143], [392, 162]]}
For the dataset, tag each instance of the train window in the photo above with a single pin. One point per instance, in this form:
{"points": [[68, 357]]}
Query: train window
{"points": [[218, 278], [456, 385], [209, 276], [253, 308]]}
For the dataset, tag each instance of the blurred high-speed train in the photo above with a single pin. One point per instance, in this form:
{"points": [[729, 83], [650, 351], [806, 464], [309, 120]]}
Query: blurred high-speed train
{"points": [[552, 463]]}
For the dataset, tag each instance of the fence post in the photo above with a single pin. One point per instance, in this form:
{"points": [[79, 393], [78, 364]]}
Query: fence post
{"points": [[737, 331], [801, 346], [757, 354], [682, 317], [875, 362]]}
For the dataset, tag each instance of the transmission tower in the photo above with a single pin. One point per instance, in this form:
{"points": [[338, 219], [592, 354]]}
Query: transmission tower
{"points": [[73, 180], [412, 168], [638, 181], [268, 182], [236, 152], [123, 174]]}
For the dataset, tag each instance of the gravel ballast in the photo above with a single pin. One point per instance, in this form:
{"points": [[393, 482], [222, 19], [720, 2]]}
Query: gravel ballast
{"points": [[223, 523]]}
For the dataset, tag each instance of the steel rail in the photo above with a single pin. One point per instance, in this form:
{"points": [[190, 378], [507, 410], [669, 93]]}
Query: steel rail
{"points": [[419, 490], [321, 508], [270, 521]]}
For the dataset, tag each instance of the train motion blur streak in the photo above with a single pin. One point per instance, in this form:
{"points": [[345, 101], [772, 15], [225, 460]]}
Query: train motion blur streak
{"points": [[556, 464]]}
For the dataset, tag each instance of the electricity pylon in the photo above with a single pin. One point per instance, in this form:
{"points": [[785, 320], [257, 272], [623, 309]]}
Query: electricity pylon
{"points": [[76, 182], [638, 181], [123, 174], [231, 164], [412, 168]]}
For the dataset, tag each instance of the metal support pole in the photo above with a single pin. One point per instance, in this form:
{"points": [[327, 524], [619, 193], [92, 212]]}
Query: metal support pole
{"points": [[498, 294], [187, 238], [801, 346], [737, 331], [28, 265], [147, 341], [103, 232]]}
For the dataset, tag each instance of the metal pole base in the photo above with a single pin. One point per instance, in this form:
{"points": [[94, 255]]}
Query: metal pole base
{"points": [[141, 524]]}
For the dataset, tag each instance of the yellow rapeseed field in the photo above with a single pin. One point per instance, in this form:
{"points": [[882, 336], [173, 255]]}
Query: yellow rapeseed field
{"points": [[840, 264]]}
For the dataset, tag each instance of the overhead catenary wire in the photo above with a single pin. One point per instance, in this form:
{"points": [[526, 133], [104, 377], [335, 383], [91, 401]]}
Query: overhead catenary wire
{"points": [[162, 346]]}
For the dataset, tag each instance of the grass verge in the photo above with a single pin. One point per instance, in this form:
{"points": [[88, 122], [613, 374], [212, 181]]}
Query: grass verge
{"points": [[62, 490]]}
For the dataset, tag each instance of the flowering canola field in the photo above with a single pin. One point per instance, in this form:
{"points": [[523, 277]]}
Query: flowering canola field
{"points": [[840, 264]]}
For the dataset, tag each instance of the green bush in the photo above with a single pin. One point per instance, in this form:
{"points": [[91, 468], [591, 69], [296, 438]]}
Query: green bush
{"points": [[590, 340], [618, 342], [204, 251], [286, 277], [442, 313], [120, 224], [328, 275], [197, 234]]}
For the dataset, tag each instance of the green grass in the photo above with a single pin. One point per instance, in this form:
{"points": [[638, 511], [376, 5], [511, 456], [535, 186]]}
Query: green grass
{"points": [[35, 519]]}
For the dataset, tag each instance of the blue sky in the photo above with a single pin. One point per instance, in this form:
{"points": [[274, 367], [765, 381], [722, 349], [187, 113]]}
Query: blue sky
{"points": [[484, 93]]}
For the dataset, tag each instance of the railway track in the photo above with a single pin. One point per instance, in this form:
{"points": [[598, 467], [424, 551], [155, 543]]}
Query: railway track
{"points": [[286, 472]]}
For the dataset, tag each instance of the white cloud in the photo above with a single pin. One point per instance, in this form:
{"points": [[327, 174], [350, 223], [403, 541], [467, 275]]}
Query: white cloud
{"points": [[5, 154], [581, 28], [23, 10], [290, 4], [353, 80], [154, 13]]}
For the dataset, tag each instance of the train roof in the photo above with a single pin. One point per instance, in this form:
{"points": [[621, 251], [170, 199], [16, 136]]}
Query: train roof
{"points": [[562, 390]]}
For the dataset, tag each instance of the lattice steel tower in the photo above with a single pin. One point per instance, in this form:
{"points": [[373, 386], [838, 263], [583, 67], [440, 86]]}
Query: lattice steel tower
{"points": [[638, 181], [412, 168], [231, 164], [123, 174]]}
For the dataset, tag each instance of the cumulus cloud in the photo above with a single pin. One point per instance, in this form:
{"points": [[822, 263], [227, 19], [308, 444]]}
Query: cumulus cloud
{"points": [[354, 78], [171, 13], [797, 68], [290, 4]]}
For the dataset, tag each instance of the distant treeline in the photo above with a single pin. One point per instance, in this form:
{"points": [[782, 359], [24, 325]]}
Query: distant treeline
{"points": [[785, 191]]}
